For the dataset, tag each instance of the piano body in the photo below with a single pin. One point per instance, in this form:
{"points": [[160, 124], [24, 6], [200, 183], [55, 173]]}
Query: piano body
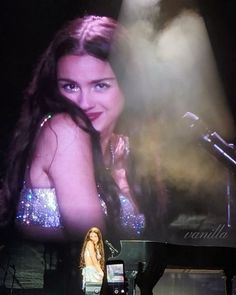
{"points": [[150, 259]]}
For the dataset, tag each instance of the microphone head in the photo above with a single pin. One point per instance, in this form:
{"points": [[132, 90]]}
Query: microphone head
{"points": [[196, 125], [191, 119], [190, 116]]}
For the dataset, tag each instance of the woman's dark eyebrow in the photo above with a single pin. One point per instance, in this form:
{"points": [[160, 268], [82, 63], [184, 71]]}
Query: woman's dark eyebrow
{"points": [[103, 79], [93, 81], [66, 80]]}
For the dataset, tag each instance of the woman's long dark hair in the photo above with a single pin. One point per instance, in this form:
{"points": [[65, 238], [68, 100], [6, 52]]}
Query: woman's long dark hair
{"points": [[99, 245], [96, 36]]}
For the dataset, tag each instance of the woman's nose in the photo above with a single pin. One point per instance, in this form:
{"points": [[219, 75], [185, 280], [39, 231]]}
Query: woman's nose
{"points": [[85, 100]]}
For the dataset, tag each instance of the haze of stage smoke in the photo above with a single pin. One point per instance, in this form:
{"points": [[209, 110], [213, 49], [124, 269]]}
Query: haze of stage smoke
{"points": [[177, 73]]}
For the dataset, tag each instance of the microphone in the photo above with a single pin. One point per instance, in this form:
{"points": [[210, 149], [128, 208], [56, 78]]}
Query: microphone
{"points": [[111, 247], [211, 139]]}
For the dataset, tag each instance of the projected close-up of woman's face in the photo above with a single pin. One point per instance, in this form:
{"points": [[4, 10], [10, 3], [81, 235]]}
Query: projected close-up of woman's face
{"points": [[92, 85]]}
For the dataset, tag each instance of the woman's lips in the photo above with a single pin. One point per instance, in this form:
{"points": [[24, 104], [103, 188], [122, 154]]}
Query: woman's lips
{"points": [[93, 116]]}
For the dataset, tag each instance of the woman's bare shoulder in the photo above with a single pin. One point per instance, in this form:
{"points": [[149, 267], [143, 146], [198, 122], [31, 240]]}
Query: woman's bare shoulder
{"points": [[90, 245], [61, 128], [60, 123], [60, 134]]}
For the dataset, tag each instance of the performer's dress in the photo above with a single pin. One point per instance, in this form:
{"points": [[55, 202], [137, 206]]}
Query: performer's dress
{"points": [[90, 274]]}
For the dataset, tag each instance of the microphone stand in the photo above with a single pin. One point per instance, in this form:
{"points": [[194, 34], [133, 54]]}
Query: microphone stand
{"points": [[224, 151], [227, 154], [111, 250]]}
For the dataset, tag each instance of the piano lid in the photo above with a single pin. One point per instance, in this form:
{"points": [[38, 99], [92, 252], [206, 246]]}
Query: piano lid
{"points": [[140, 252]]}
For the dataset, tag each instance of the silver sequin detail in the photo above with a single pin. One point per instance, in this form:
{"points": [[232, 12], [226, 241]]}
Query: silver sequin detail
{"points": [[131, 221], [38, 206]]}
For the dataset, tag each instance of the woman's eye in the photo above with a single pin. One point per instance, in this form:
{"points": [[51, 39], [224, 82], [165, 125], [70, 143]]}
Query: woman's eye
{"points": [[102, 86], [70, 87]]}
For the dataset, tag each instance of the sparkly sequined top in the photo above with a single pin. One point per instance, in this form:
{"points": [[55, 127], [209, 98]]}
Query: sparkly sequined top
{"points": [[38, 206]]}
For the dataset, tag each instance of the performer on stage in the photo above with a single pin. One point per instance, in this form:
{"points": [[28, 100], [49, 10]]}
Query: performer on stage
{"points": [[92, 258]]}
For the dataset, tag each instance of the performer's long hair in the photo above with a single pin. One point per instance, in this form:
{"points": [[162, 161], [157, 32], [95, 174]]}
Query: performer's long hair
{"points": [[100, 247]]}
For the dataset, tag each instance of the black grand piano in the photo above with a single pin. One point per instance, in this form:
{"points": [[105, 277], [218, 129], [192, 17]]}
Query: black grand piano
{"points": [[147, 260]]}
